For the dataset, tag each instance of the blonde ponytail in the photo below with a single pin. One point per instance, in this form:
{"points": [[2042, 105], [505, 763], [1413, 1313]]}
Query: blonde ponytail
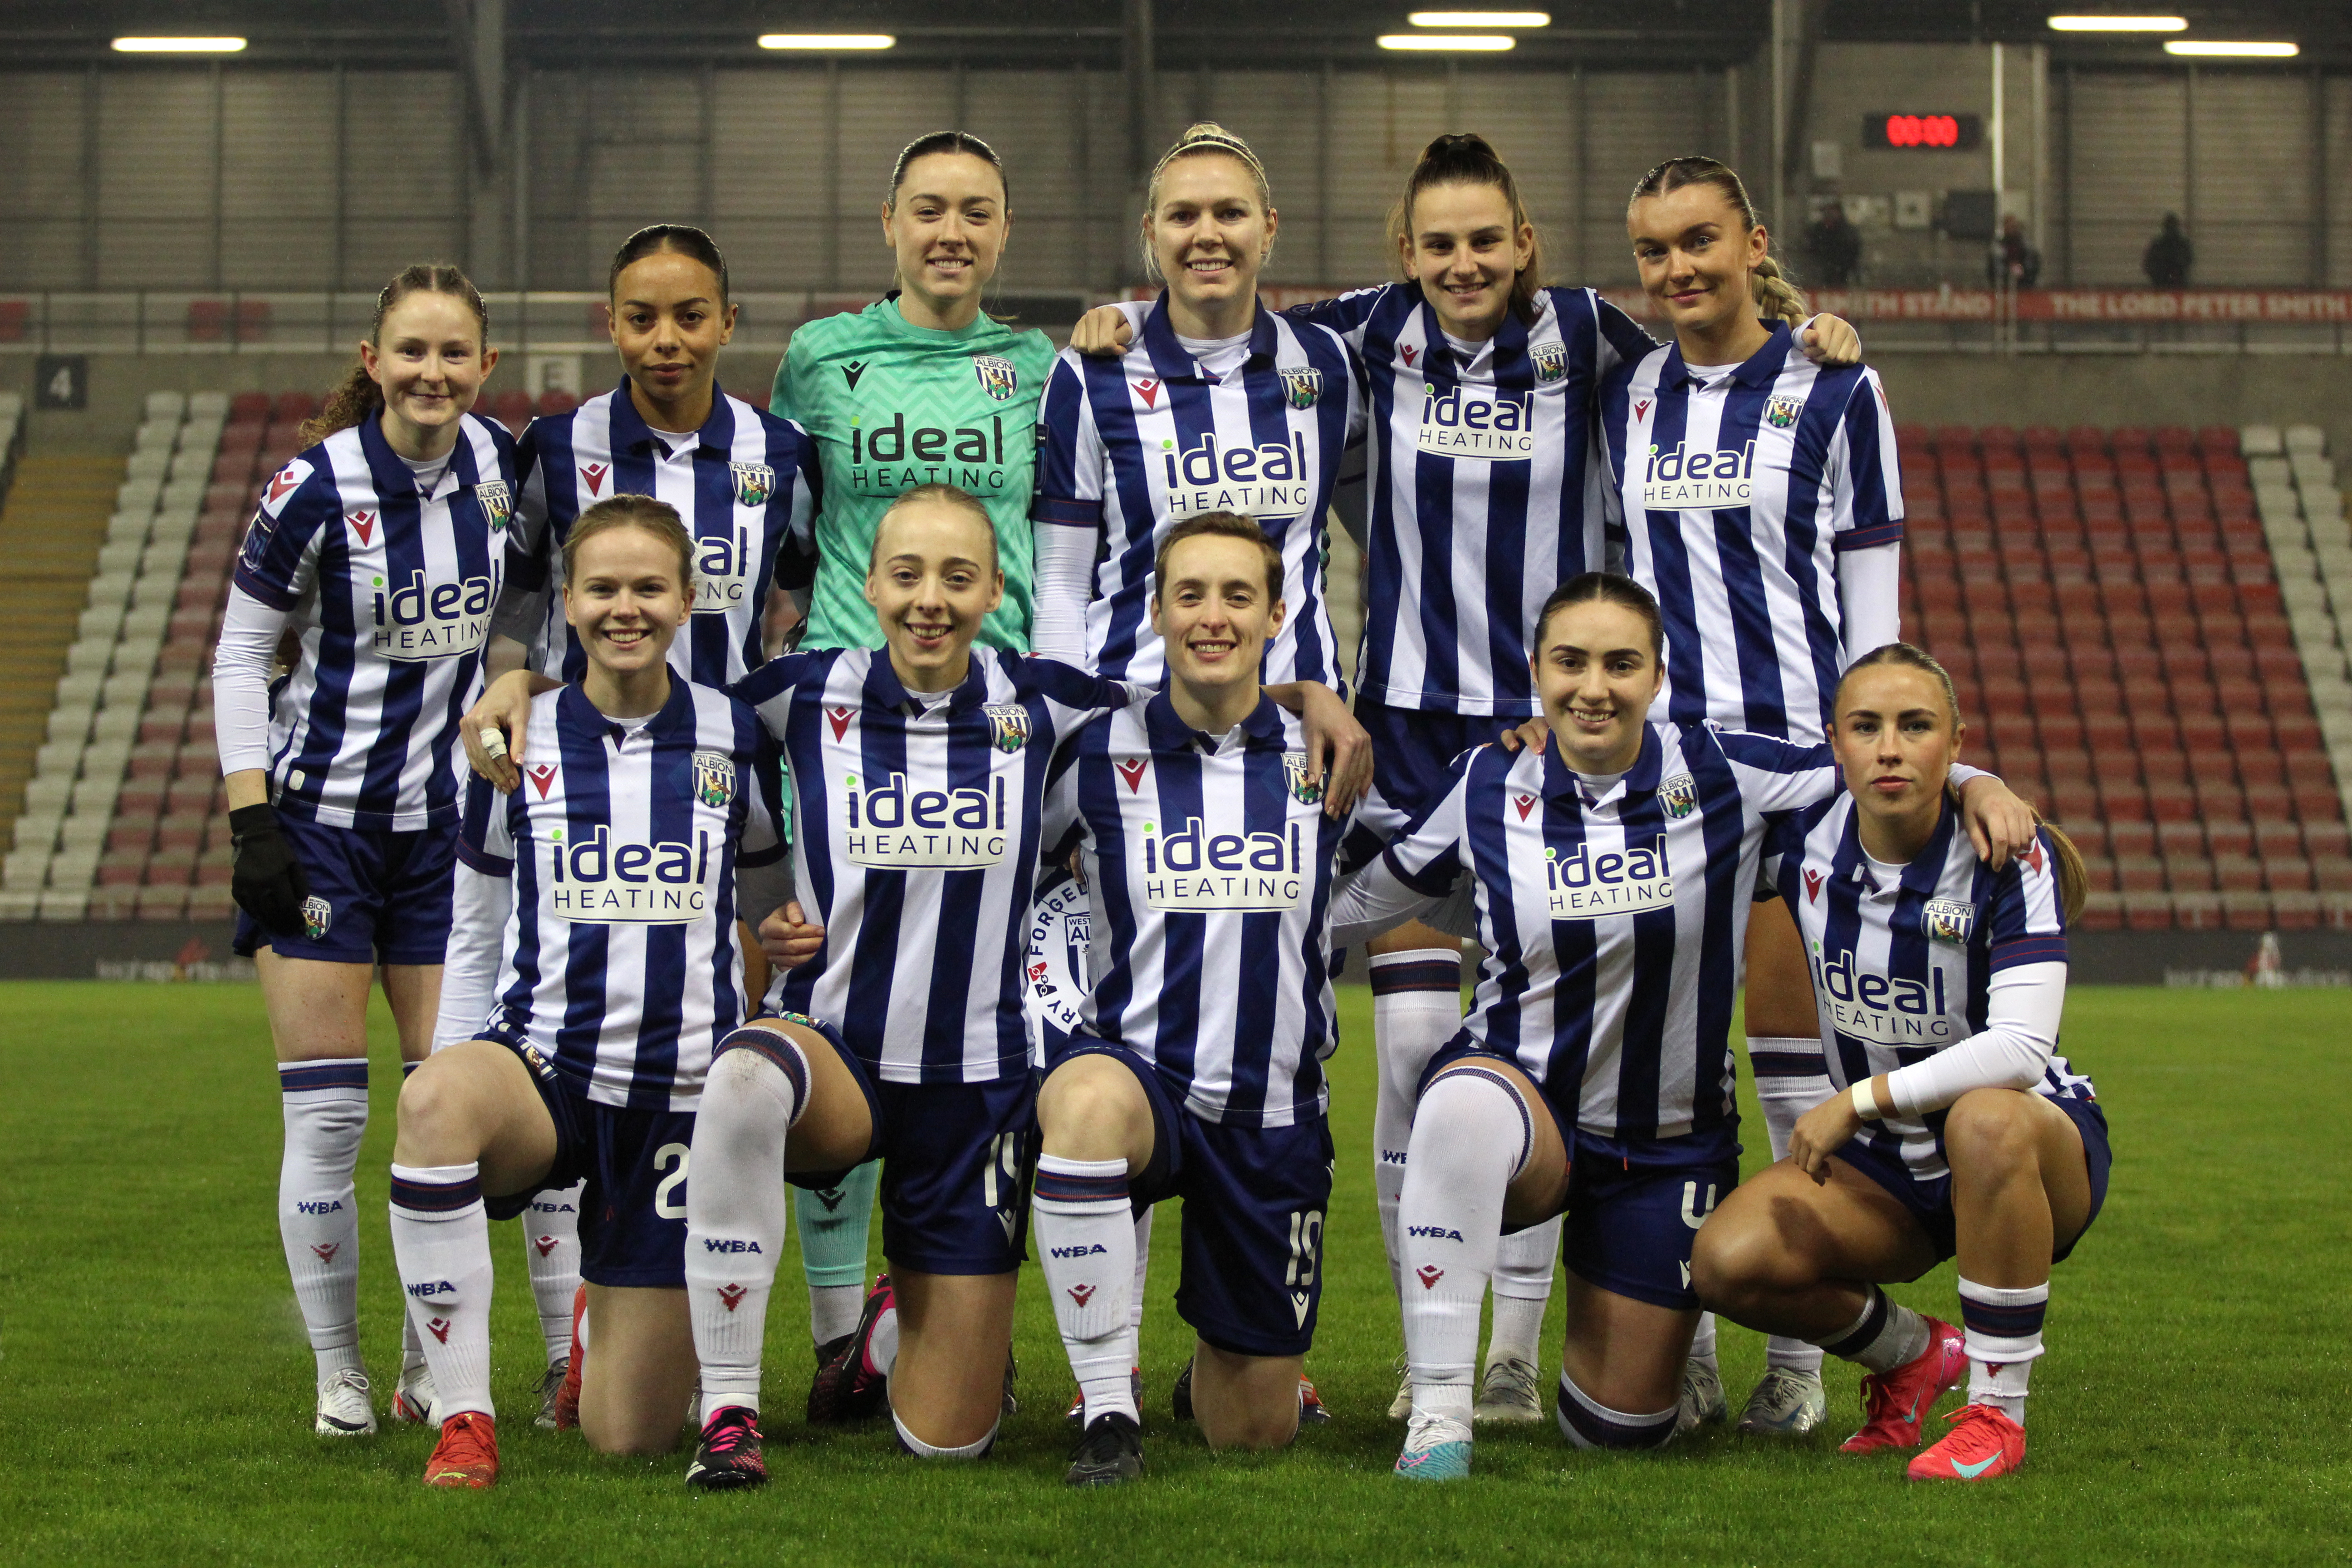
{"points": [[1775, 295]]}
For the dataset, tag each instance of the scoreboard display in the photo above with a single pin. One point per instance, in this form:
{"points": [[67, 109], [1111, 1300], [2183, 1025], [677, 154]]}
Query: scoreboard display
{"points": [[1903, 131]]}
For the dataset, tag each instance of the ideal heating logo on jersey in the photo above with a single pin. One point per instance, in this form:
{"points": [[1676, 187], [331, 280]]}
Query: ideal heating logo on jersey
{"points": [[1586, 885], [598, 882], [416, 621], [723, 572], [1878, 1006], [1195, 871], [887, 458], [1271, 481], [1466, 422], [1698, 479], [898, 827]]}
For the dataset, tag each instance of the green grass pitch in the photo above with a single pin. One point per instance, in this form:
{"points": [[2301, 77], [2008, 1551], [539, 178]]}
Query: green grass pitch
{"points": [[155, 1385]]}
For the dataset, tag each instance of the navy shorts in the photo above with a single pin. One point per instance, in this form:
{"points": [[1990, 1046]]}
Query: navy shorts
{"points": [[1412, 748], [1930, 1202], [1634, 1205], [374, 897], [633, 1211], [958, 1160], [1255, 1198]]}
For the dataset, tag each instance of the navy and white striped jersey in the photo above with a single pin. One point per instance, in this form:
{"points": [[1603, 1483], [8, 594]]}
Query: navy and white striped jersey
{"points": [[920, 827], [1616, 924], [1903, 957], [1733, 497], [617, 951], [746, 487], [1135, 445], [1483, 492], [391, 593], [1209, 862]]}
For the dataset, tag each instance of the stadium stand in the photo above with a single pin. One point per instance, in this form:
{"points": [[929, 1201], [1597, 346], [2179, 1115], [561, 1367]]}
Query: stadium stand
{"points": [[2147, 629], [2107, 605]]}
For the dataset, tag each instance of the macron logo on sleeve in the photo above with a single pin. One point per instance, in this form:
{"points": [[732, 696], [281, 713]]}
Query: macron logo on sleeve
{"points": [[284, 483]]}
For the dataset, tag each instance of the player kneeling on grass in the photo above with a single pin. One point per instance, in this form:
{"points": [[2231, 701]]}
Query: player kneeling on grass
{"points": [[1196, 1069], [1612, 873], [1956, 1130], [592, 964]]}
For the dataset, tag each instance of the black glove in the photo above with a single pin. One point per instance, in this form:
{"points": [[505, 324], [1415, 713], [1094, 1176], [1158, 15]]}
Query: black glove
{"points": [[267, 881]]}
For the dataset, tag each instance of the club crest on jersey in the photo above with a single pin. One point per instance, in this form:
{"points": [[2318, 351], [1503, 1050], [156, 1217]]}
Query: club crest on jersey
{"points": [[1008, 726], [1781, 412], [1303, 790], [714, 778], [1303, 388], [1550, 360], [1949, 921], [755, 483], [997, 377], [498, 502], [1679, 795], [318, 915]]}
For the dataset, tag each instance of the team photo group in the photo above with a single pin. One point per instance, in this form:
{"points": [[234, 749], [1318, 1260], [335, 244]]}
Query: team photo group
{"points": [[944, 789]]}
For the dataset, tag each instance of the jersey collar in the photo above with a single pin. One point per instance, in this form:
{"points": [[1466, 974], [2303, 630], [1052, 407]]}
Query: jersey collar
{"points": [[1926, 867], [885, 689], [1757, 370], [631, 432], [583, 716], [392, 475], [1510, 343], [1561, 782], [1171, 363], [1169, 732]]}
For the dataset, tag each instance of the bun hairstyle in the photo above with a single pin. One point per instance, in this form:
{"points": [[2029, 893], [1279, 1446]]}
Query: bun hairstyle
{"points": [[655, 238], [1775, 295], [2074, 879], [657, 518], [358, 398], [1607, 587], [944, 142], [1468, 159], [1200, 139]]}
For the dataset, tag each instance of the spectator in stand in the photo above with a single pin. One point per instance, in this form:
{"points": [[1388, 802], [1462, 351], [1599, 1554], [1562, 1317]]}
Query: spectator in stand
{"points": [[2014, 264], [2169, 256], [1833, 248]]}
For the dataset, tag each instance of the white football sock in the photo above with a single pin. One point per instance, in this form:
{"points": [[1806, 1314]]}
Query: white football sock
{"points": [[1886, 1335], [325, 1106], [1703, 1340], [1142, 1269], [551, 1228], [1416, 1009], [441, 1242], [834, 1309], [1470, 1137], [735, 1214], [882, 1344], [1791, 1080], [1085, 1238], [922, 1450], [1523, 1275], [2002, 1328]]}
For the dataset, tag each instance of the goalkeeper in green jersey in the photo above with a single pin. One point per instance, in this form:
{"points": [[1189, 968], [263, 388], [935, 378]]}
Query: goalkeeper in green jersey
{"points": [[921, 387], [918, 388]]}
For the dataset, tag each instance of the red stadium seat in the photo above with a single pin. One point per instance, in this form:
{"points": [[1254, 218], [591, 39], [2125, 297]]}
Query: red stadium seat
{"points": [[247, 406]]}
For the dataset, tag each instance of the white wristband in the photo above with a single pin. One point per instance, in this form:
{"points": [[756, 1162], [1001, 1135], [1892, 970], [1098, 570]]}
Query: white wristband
{"points": [[1865, 1105]]}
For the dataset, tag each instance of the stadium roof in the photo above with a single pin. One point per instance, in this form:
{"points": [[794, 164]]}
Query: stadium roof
{"points": [[1191, 34]]}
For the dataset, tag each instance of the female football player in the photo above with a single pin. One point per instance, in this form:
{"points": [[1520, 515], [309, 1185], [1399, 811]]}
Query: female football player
{"points": [[920, 387], [1480, 499], [742, 479], [1761, 502], [381, 549], [1955, 1128], [595, 973], [1612, 873]]}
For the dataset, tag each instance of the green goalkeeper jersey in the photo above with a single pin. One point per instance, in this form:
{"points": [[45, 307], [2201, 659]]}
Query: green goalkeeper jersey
{"points": [[892, 405]]}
